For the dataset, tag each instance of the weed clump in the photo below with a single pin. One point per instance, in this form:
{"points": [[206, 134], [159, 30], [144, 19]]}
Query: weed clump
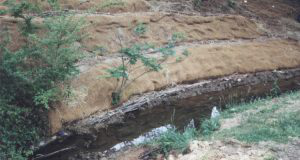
{"points": [[174, 140], [209, 126]]}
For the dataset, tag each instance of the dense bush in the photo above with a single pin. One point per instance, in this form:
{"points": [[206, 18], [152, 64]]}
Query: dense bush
{"points": [[20, 128], [31, 77]]}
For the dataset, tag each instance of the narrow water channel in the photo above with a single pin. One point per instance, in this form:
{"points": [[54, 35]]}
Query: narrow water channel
{"points": [[139, 124]]}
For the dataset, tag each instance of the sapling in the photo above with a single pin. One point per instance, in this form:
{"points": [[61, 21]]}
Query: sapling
{"points": [[139, 53]]}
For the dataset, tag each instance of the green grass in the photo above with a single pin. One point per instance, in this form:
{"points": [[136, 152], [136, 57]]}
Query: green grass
{"points": [[266, 122], [173, 140], [232, 109], [268, 119], [257, 128], [208, 126]]}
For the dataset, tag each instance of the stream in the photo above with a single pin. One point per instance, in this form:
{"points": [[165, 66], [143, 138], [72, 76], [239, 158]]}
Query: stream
{"points": [[136, 126]]}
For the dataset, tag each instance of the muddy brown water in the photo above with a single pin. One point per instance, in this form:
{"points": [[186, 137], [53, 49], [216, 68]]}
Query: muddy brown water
{"points": [[179, 113]]}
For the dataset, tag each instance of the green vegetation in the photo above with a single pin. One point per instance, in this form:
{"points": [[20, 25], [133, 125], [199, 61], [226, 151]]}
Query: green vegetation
{"points": [[231, 3], [197, 3], [140, 29], [137, 54], [174, 140], [20, 128], [233, 109], [270, 119], [208, 126], [2, 12], [34, 76], [270, 157], [107, 4]]}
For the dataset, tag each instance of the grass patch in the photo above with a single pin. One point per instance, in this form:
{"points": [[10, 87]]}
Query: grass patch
{"points": [[232, 109], [173, 140], [268, 119], [209, 126], [271, 120], [260, 128]]}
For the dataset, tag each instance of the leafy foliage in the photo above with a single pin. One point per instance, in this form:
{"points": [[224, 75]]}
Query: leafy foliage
{"points": [[31, 77], [17, 9], [3, 12], [138, 53], [34, 70], [20, 128]]}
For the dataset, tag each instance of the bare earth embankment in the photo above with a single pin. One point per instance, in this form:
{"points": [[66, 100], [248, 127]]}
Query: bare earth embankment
{"points": [[223, 40]]}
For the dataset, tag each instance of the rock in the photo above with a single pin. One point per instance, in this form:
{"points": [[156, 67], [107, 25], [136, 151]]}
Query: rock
{"points": [[215, 113]]}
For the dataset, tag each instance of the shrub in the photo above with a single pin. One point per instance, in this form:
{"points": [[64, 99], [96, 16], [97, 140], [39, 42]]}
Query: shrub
{"points": [[20, 128], [31, 74], [31, 78]]}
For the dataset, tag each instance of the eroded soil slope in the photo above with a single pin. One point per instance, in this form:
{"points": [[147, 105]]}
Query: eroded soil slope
{"points": [[248, 40], [206, 61], [106, 6]]}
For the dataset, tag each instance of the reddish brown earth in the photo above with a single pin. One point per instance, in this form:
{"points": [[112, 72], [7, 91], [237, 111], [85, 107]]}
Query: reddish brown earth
{"points": [[220, 44]]}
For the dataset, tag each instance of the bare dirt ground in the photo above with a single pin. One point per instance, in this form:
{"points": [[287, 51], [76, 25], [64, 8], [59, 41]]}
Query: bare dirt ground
{"points": [[278, 18], [202, 26]]}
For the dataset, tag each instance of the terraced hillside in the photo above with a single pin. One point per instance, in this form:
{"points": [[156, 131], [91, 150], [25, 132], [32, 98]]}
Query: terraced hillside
{"points": [[220, 45], [222, 39]]}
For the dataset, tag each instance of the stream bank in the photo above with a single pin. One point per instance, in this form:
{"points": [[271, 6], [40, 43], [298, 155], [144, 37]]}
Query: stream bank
{"points": [[181, 103]]}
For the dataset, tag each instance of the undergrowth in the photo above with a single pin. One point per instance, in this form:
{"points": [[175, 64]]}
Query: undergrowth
{"points": [[173, 140], [208, 126], [34, 76], [269, 119]]}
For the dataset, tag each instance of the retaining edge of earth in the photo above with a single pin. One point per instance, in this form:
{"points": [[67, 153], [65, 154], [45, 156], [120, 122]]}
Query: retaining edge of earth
{"points": [[87, 129], [156, 98]]}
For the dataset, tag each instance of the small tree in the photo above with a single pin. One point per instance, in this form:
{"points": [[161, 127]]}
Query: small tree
{"points": [[138, 53], [31, 75]]}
